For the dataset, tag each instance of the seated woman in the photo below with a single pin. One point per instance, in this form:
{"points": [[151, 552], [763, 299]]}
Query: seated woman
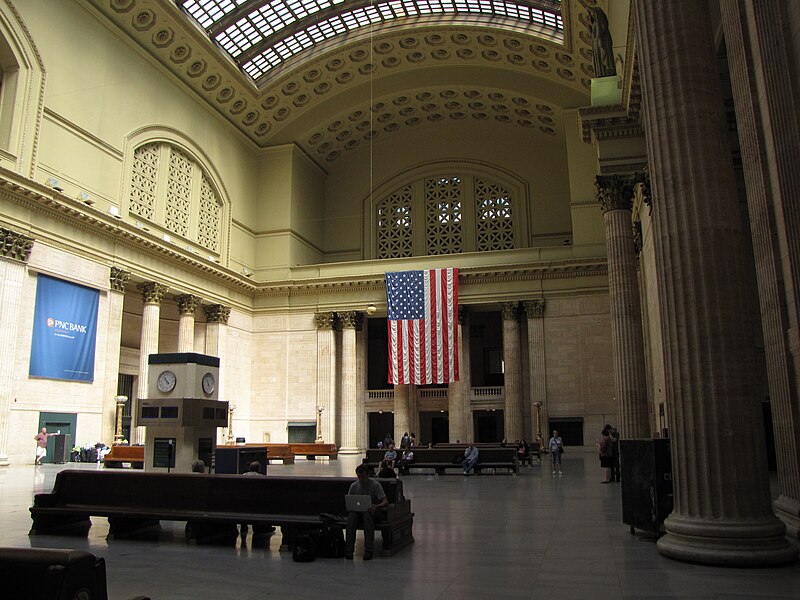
{"points": [[390, 456], [404, 461], [523, 452]]}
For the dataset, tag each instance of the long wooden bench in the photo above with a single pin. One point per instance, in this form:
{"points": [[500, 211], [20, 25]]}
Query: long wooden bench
{"points": [[311, 451], [441, 459], [281, 452], [211, 504], [133, 455]]}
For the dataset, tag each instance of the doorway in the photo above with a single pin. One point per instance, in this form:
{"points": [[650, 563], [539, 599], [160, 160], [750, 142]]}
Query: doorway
{"points": [[570, 430], [380, 423], [66, 424], [490, 426]]}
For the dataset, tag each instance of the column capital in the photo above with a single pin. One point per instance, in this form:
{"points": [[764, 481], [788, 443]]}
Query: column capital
{"points": [[187, 303], [534, 308], [152, 292], [351, 319], [510, 310], [15, 245], [325, 320], [217, 313], [118, 278], [614, 192]]}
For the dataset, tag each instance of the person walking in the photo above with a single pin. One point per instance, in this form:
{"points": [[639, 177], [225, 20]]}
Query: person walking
{"points": [[41, 445], [606, 460], [556, 446]]}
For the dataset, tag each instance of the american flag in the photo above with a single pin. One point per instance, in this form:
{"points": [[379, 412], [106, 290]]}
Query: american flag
{"points": [[423, 326]]}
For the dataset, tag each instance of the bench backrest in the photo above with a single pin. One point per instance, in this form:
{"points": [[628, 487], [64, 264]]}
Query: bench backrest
{"points": [[126, 453], [299, 448], [446, 455]]}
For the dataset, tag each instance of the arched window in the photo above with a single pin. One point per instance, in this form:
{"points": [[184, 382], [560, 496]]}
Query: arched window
{"points": [[170, 189], [448, 213]]}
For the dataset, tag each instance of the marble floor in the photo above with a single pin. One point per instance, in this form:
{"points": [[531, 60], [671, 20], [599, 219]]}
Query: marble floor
{"points": [[490, 536]]}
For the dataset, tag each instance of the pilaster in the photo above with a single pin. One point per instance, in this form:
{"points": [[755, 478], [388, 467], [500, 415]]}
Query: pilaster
{"points": [[512, 380]]}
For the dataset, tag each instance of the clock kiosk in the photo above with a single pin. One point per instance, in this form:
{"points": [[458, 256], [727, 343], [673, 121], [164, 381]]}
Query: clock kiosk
{"points": [[182, 411]]}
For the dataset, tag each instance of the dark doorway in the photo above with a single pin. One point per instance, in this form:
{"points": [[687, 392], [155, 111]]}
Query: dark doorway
{"points": [[434, 427], [570, 429], [302, 432], [489, 426], [378, 363], [380, 423], [65, 423]]}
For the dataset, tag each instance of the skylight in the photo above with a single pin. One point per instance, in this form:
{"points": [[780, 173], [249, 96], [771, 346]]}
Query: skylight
{"points": [[261, 34]]}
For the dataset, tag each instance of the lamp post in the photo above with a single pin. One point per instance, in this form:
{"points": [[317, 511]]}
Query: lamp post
{"points": [[230, 439], [538, 405], [121, 400], [320, 410]]}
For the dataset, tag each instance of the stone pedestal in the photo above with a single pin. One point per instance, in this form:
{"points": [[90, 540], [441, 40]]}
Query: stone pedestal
{"points": [[512, 380], [723, 514]]}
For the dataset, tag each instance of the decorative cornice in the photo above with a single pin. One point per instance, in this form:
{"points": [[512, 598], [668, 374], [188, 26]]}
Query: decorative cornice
{"points": [[217, 313], [325, 320], [534, 308], [15, 246], [614, 192], [187, 303], [152, 292], [351, 319], [510, 311], [118, 278]]}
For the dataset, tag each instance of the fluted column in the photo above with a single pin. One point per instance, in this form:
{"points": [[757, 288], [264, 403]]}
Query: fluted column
{"points": [[187, 305], [534, 309], [349, 375], [361, 384], [217, 316], [722, 513], [152, 294], [512, 380], [116, 299], [401, 420], [457, 391], [615, 195], [769, 138], [15, 249], [326, 374]]}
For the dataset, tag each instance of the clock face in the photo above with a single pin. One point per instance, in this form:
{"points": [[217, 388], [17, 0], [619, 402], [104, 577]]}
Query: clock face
{"points": [[209, 383], [167, 381]]}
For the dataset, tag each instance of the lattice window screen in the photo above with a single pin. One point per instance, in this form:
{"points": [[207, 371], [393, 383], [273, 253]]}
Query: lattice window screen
{"points": [[394, 225], [495, 226], [208, 226], [144, 180], [443, 215], [179, 192]]}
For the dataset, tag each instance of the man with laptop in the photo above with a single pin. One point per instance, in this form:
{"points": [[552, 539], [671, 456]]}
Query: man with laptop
{"points": [[362, 500]]}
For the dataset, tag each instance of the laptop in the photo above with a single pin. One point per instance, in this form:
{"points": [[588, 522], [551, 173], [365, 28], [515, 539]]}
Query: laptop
{"points": [[357, 502]]}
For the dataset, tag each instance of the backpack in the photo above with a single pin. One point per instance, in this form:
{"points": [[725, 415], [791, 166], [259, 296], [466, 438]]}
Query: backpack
{"points": [[330, 539], [305, 548]]}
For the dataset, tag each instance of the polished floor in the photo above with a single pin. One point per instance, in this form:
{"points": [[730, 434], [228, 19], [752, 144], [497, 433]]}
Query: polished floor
{"points": [[490, 536]]}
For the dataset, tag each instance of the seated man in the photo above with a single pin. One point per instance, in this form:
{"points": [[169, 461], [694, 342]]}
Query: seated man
{"points": [[404, 461], [390, 456], [470, 457], [366, 487], [386, 471]]}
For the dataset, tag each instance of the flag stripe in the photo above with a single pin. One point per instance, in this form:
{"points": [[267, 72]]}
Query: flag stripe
{"points": [[423, 326]]}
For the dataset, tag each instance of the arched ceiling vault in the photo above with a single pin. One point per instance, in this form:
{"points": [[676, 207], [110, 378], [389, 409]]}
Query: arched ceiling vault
{"points": [[408, 74]]}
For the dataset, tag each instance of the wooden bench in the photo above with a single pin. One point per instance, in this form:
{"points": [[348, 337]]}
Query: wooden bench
{"points": [[211, 504], [311, 451], [124, 454], [441, 459], [281, 452]]}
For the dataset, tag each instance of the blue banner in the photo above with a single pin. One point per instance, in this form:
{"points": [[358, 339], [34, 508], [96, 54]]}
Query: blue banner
{"points": [[64, 330]]}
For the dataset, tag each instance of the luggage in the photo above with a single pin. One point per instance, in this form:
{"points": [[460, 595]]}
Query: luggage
{"points": [[330, 538], [305, 548]]}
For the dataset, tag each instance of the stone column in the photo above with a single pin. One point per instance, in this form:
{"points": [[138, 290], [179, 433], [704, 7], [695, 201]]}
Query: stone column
{"points": [[512, 379], [116, 299], [615, 195], [361, 384], [534, 309], [458, 391], [350, 388], [217, 316], [401, 420], [722, 513], [326, 374], [766, 112], [187, 304], [15, 249], [152, 294]]}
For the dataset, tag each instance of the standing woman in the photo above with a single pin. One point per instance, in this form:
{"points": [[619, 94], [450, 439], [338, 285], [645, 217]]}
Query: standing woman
{"points": [[606, 459], [556, 449]]}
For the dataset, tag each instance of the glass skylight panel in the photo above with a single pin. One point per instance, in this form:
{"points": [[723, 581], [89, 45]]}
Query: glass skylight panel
{"points": [[240, 30]]}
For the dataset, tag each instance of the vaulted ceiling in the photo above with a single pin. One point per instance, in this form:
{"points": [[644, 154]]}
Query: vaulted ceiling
{"points": [[376, 78]]}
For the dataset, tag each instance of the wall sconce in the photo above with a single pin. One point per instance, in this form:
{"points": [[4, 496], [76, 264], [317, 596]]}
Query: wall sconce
{"points": [[85, 198], [247, 272], [371, 308], [114, 212], [53, 183]]}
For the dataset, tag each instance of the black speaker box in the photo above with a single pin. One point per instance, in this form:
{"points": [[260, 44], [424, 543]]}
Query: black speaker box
{"points": [[646, 469]]}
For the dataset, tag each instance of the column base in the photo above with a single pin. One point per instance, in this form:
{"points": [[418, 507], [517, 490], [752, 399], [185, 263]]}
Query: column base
{"points": [[788, 510], [740, 543], [4, 462], [344, 450]]}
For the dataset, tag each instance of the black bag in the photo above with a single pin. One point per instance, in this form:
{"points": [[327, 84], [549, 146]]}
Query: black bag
{"points": [[330, 539], [305, 548], [561, 449], [458, 459]]}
